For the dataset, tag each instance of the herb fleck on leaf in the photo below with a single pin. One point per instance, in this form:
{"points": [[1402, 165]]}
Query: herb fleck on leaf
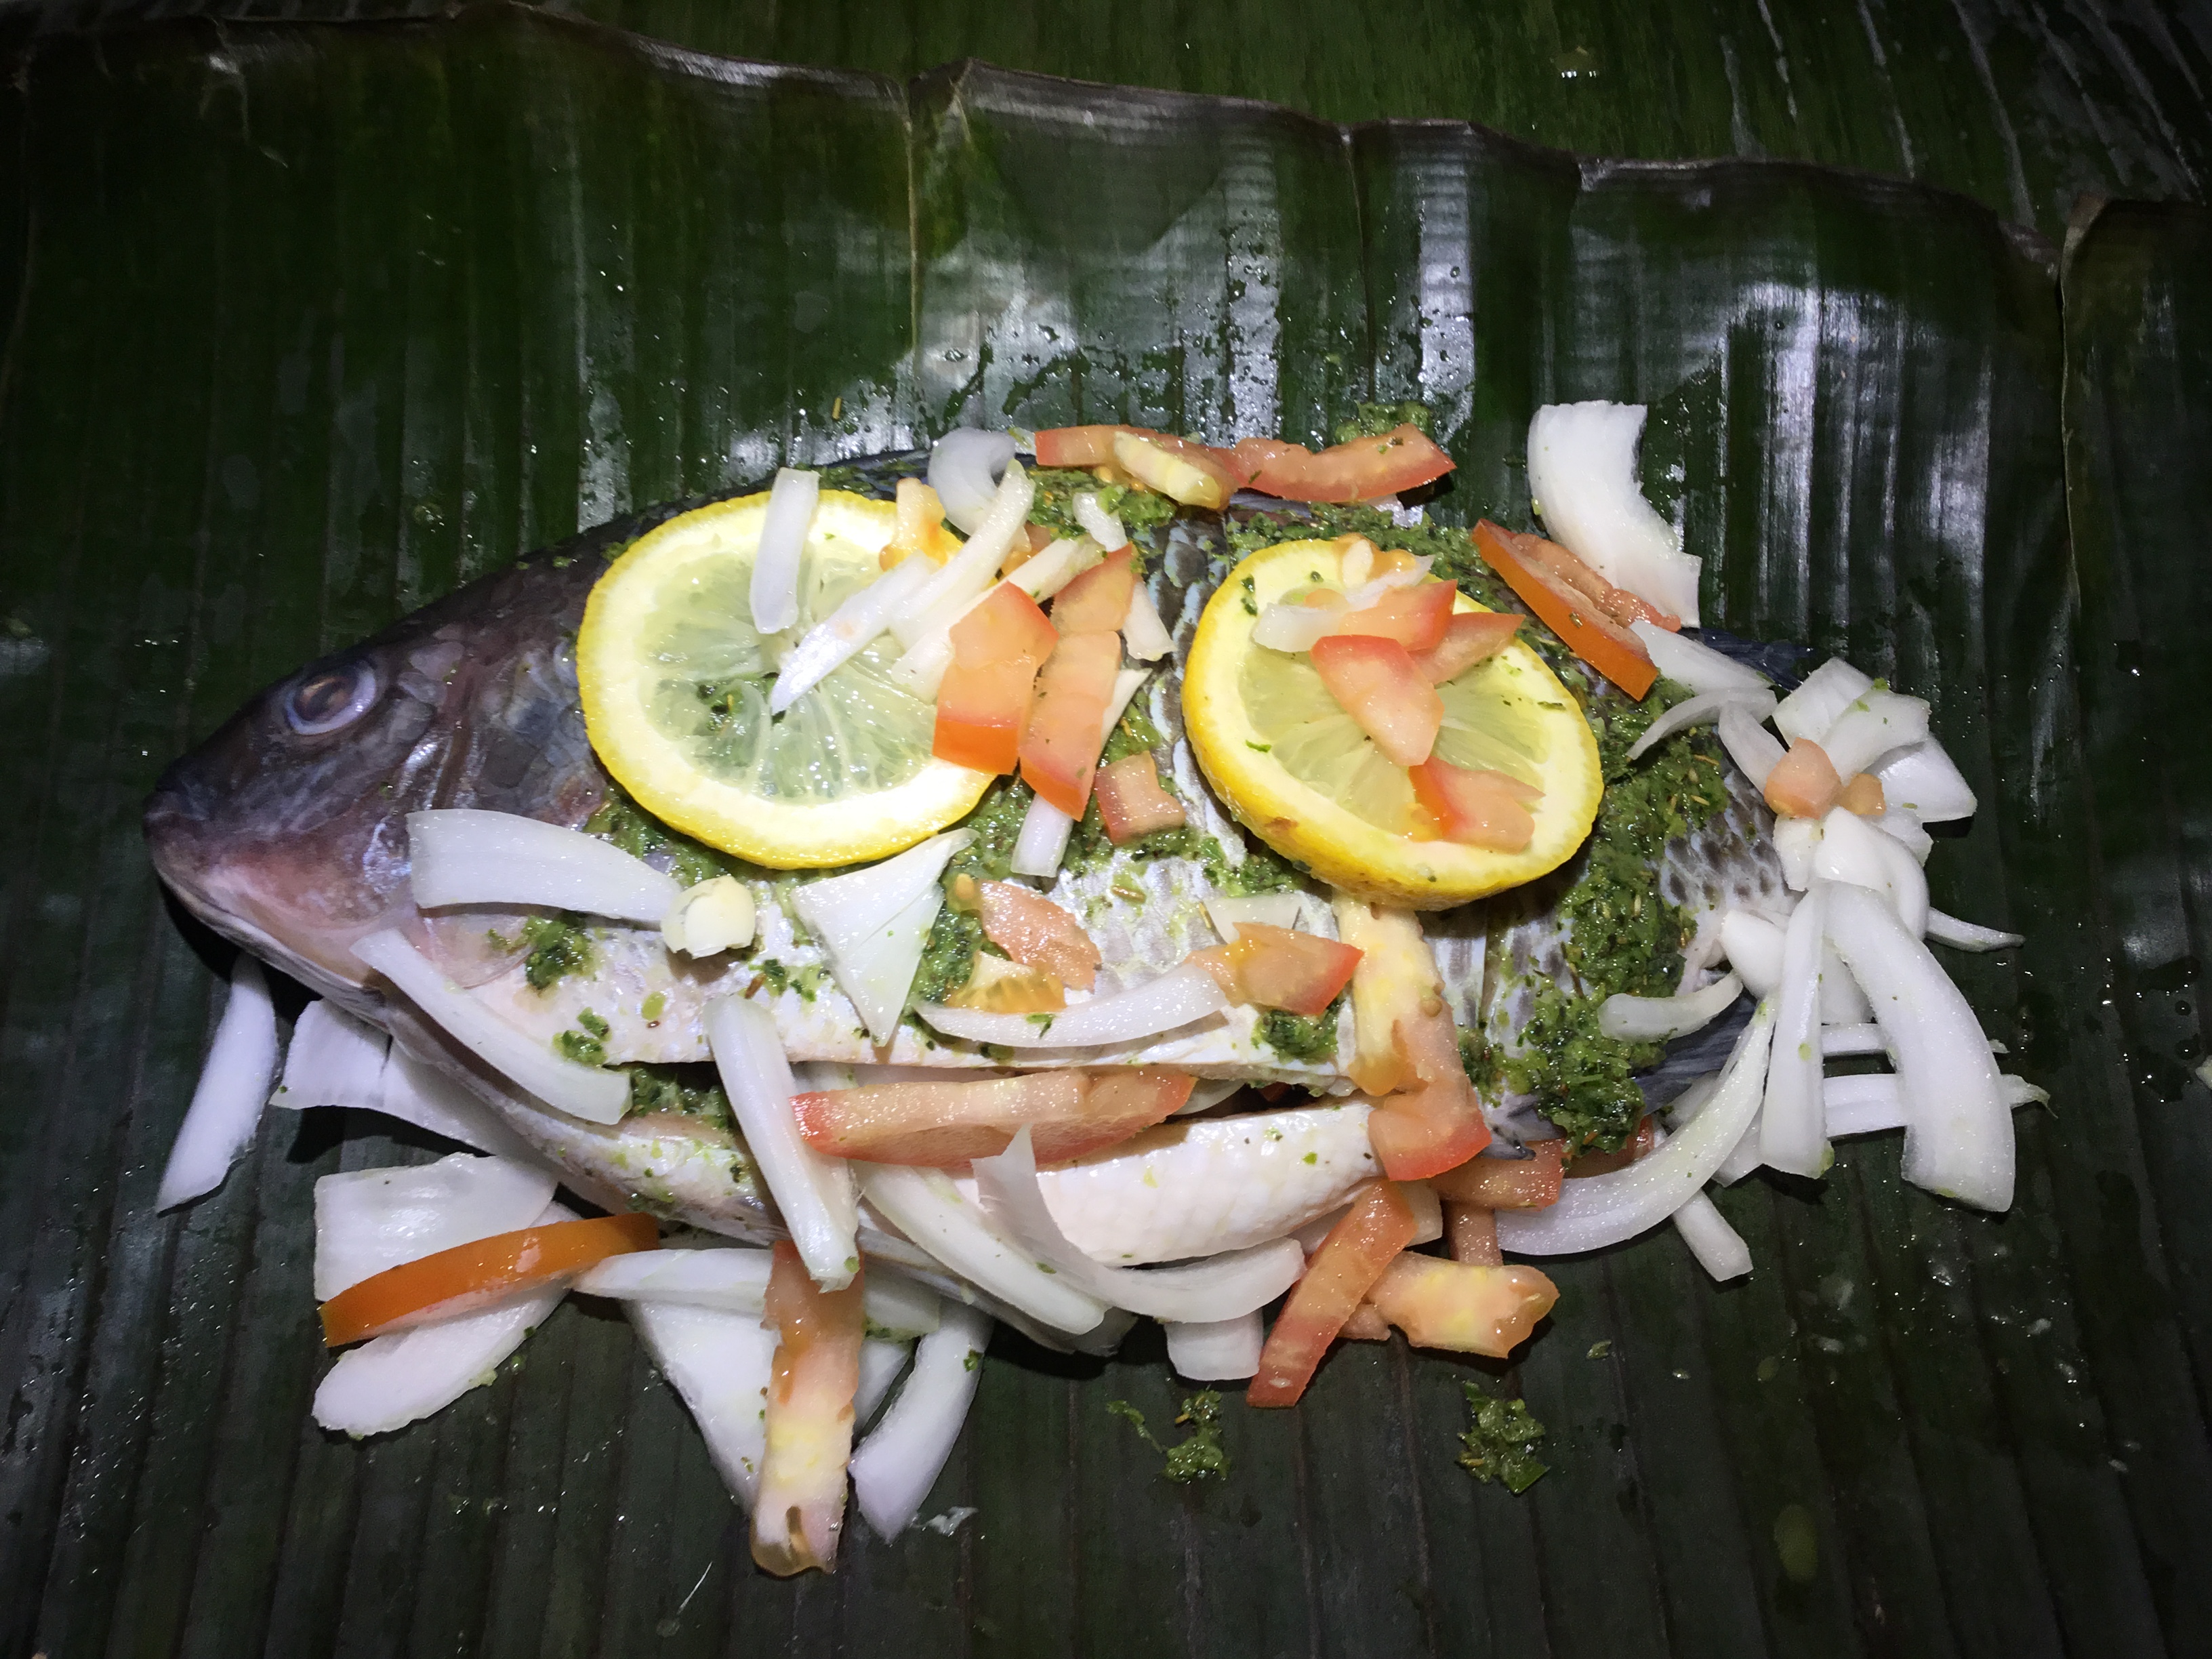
{"points": [[1501, 1444], [1199, 1453]]}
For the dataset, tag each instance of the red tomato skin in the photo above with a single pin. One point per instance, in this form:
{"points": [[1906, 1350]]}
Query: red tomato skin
{"points": [[1374, 681], [1008, 626], [1505, 1183], [980, 714], [1416, 616], [1435, 1123], [1462, 1307], [940, 1124], [1077, 446], [1471, 1235], [1060, 745], [1803, 783], [1037, 933], [1277, 968], [1402, 459], [1130, 800], [1641, 1144], [1590, 633], [1471, 636], [1378, 1227], [800, 1512], [1098, 601], [1474, 808]]}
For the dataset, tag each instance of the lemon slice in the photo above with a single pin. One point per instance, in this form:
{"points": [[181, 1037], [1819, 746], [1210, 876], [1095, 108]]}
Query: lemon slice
{"points": [[1298, 772], [675, 681]]}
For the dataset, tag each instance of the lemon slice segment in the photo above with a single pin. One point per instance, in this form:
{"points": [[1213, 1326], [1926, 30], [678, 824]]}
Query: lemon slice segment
{"points": [[1298, 772], [675, 681]]}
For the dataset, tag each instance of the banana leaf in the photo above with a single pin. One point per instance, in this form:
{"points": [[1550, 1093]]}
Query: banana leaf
{"points": [[310, 324]]}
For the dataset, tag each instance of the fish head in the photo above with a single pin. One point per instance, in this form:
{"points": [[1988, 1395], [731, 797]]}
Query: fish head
{"points": [[286, 831]]}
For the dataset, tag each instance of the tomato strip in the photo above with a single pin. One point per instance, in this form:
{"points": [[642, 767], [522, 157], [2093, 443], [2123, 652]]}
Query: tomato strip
{"points": [[451, 1282], [1591, 635], [1374, 1231]]}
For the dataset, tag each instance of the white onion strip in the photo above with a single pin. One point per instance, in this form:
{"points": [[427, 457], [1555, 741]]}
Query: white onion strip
{"points": [[1701, 710], [1692, 663], [1608, 1209], [962, 464], [1872, 1103], [720, 1365], [1144, 635], [589, 1093], [1852, 850], [1719, 1248], [1923, 779], [1749, 745], [1965, 936], [233, 1087], [874, 924], [925, 1206], [840, 637], [1813, 707], [1042, 841], [1791, 1137], [791, 504], [897, 1464], [334, 1060], [1102, 527], [734, 1279], [940, 601], [881, 1362], [1225, 1351], [813, 1194], [1203, 1293], [1958, 1135], [1174, 999], [1655, 1019], [1293, 627], [1873, 726], [464, 856]]}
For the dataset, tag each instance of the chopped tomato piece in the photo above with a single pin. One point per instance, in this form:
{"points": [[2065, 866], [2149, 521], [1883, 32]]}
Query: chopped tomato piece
{"points": [[1007, 625], [1270, 967], [1596, 638], [1803, 783], [1471, 1235], [1182, 470], [980, 714], [1038, 933], [1863, 794], [1461, 1307], [800, 1508], [1130, 800], [1415, 616], [1434, 1121], [1617, 602], [920, 526], [1068, 1113], [996, 986], [1641, 1144], [1365, 1325], [446, 1284], [1096, 601], [1375, 1228], [1506, 1183], [1077, 446], [1475, 808], [1402, 458], [1374, 682], [1471, 636], [1247, 457], [1067, 719]]}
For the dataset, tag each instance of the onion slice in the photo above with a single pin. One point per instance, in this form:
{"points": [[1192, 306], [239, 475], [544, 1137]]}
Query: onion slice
{"points": [[1873, 1101], [1871, 727], [1720, 1248], [1102, 527], [463, 855], [840, 637], [925, 1206], [882, 1360], [1223, 1351], [1923, 779], [1701, 710], [791, 504], [368, 1221], [734, 1278], [897, 1464], [589, 1093], [1655, 1020], [1293, 627], [334, 1060], [874, 923], [1584, 480], [939, 602], [1607, 1209], [1965, 936], [1852, 850], [1791, 1137], [813, 1194], [1219, 1287], [1814, 707], [1269, 910], [1749, 745], [1696, 665], [1174, 999], [1958, 1135], [1144, 635], [233, 1087], [1042, 841], [964, 465], [1754, 944], [720, 1365]]}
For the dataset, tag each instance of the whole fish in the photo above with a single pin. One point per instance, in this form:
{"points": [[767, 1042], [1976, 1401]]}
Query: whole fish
{"points": [[286, 832]]}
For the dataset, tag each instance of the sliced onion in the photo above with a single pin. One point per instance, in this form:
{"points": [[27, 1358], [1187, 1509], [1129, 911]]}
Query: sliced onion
{"points": [[1749, 745], [1098, 524], [1813, 707], [1694, 664], [415, 1091], [720, 1365], [1742, 1160], [1370, 591], [791, 504], [1293, 627], [922, 669], [1791, 1137], [1607, 1209], [925, 1206], [874, 922], [965, 466], [1903, 828], [1174, 999], [1796, 841], [391, 1381], [1871, 727], [233, 1087], [813, 1194], [1965, 936], [1223, 1351], [589, 1093], [1207, 1093], [1656, 1019], [1584, 480], [1754, 944], [1268, 909], [1042, 841], [1842, 1002], [1044, 573], [335, 1060], [1861, 1038], [835, 641], [1872, 1101], [734, 1278], [897, 1464], [1720, 1248], [1958, 1136], [368, 1221], [1852, 850], [940, 601], [1923, 779], [1144, 634], [1703, 709], [1220, 1287], [462, 855], [881, 1361]]}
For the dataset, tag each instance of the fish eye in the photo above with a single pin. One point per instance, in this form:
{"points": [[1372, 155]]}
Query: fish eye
{"points": [[330, 699]]}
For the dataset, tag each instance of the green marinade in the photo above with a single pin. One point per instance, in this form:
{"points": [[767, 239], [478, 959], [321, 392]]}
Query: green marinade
{"points": [[1140, 511], [559, 946], [1501, 1444], [1310, 1037], [689, 1090]]}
